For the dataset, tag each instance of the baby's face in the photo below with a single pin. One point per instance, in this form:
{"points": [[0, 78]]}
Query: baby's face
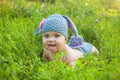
{"points": [[54, 41]]}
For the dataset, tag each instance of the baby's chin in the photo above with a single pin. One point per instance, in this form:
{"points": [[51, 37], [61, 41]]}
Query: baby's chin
{"points": [[55, 49], [52, 50]]}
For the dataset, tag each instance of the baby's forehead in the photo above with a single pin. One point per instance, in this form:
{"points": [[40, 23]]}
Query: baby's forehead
{"points": [[52, 32]]}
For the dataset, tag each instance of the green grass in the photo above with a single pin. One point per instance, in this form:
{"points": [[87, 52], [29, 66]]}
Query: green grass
{"points": [[21, 51]]}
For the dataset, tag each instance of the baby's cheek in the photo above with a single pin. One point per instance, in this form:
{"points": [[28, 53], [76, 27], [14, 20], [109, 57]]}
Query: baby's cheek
{"points": [[45, 45], [63, 46]]}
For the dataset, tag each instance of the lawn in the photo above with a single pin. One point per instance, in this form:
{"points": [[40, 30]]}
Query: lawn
{"points": [[21, 51]]}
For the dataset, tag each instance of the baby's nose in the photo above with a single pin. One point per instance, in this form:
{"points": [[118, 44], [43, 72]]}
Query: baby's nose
{"points": [[51, 39]]}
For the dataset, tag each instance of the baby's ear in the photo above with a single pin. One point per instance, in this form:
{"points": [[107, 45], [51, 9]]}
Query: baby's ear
{"points": [[65, 40]]}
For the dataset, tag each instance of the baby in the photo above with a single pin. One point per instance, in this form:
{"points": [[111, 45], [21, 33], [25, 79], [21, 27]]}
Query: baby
{"points": [[55, 34]]}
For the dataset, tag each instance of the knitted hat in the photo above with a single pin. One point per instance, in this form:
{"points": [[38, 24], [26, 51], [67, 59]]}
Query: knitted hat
{"points": [[59, 23], [56, 23]]}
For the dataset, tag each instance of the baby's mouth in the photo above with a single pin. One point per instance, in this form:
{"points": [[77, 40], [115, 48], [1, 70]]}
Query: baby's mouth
{"points": [[51, 46]]}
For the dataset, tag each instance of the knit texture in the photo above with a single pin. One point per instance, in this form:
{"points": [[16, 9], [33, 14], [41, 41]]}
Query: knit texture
{"points": [[56, 23]]}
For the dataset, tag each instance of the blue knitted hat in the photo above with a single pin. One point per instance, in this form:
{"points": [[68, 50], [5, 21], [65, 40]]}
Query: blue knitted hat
{"points": [[57, 23], [60, 23]]}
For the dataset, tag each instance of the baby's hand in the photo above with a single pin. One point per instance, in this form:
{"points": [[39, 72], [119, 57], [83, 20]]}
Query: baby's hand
{"points": [[72, 64], [70, 55], [48, 55]]}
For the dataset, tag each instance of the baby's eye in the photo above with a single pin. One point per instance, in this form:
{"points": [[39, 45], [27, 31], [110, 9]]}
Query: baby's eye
{"points": [[57, 36], [46, 36]]}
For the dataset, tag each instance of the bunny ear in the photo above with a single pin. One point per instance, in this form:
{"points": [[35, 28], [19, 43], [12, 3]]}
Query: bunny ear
{"points": [[71, 25], [39, 29], [76, 41]]}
